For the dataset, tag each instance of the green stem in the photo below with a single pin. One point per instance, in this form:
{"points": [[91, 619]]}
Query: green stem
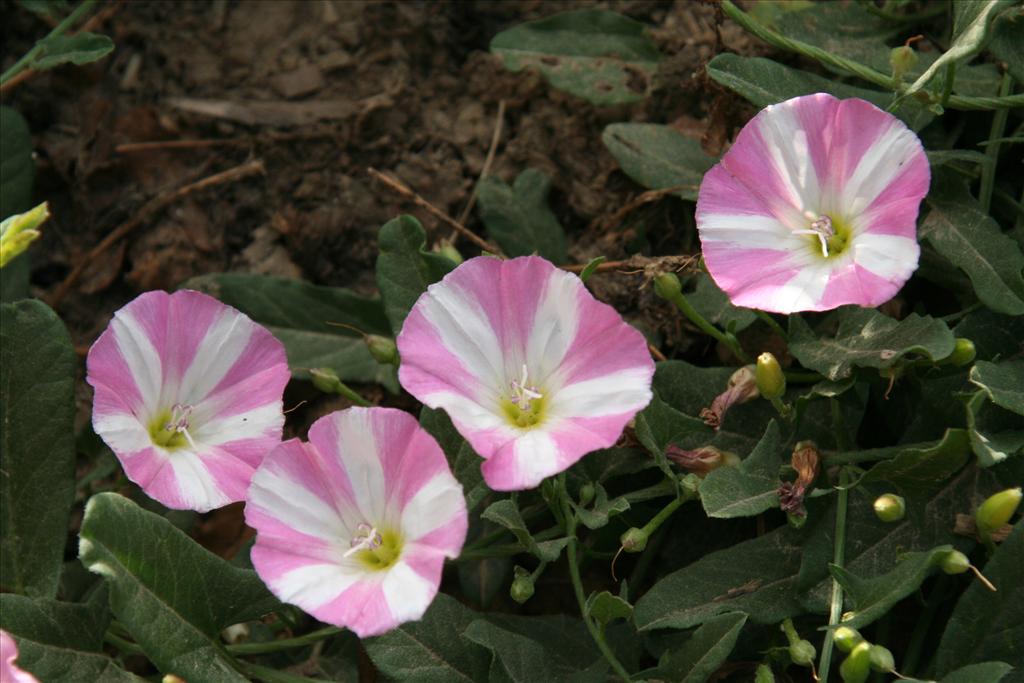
{"points": [[988, 171], [947, 87], [350, 393], [707, 328], [123, 645], [60, 28], [577, 585], [268, 675], [857, 69], [664, 514], [770, 321], [838, 558], [283, 644]]}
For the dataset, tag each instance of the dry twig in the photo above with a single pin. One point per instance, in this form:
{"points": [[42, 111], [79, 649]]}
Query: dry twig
{"points": [[499, 123]]}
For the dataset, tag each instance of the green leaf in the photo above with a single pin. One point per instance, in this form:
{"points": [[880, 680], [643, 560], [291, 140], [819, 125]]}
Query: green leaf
{"points": [[658, 157], [16, 173], [432, 650], [37, 446], [405, 268], [1002, 382], [300, 315], [985, 672], [994, 335], [873, 597], [506, 514], [765, 82], [463, 460], [749, 489], [1007, 43], [602, 510], [530, 649], [705, 651], [45, 8], [172, 595], [518, 217], [866, 338], [61, 641], [712, 303], [918, 468], [960, 231], [995, 433], [598, 55], [757, 577], [604, 608], [988, 625], [80, 48]]}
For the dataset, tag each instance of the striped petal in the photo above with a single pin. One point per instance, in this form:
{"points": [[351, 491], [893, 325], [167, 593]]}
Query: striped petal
{"points": [[354, 526], [496, 339], [762, 211], [9, 671], [187, 359]]}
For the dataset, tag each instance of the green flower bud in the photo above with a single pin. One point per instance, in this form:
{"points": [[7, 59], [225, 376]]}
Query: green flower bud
{"points": [[902, 59], [770, 380], [668, 286], [846, 638], [325, 379], [963, 353], [522, 586], [634, 540], [19, 231], [890, 508], [764, 674], [586, 493], [882, 659], [802, 653], [996, 511], [382, 349], [450, 252], [857, 666], [955, 563]]}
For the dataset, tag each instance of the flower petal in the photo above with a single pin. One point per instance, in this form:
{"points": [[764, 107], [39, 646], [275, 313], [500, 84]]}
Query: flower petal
{"points": [[9, 671]]}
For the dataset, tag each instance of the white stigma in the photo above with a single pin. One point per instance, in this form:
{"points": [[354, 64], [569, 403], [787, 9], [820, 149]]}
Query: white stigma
{"points": [[180, 413], [821, 227], [365, 538], [522, 393]]}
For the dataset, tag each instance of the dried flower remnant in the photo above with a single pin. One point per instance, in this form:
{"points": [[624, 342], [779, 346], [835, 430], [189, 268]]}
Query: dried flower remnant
{"points": [[533, 370], [701, 460], [814, 206], [354, 526], [742, 388], [806, 460], [188, 396]]}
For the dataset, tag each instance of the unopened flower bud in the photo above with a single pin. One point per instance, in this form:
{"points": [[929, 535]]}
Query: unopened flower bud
{"points": [[764, 674], [450, 252], [668, 286], [846, 638], [586, 493], [770, 380], [742, 387], [857, 665], [325, 379], [171, 678], [902, 59], [802, 652], [20, 230], [963, 353], [522, 586], [634, 540], [955, 563], [996, 511], [890, 508], [701, 460], [382, 349], [882, 659]]}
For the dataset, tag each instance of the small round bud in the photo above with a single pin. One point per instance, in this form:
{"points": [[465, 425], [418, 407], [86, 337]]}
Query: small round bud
{"points": [[802, 653], [668, 286], [890, 508], [586, 493], [857, 665], [963, 353], [451, 253], [325, 379], [846, 638], [770, 380], [996, 511], [634, 540], [955, 563], [882, 659], [382, 349], [522, 586], [902, 59]]}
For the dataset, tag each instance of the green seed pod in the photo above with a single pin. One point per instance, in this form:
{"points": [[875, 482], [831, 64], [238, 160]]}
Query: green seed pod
{"points": [[890, 508], [963, 353], [325, 379], [382, 349], [882, 659], [846, 638], [586, 493], [770, 380], [902, 59], [955, 563], [996, 511], [667, 286], [634, 540], [857, 666], [802, 652], [764, 674], [522, 586]]}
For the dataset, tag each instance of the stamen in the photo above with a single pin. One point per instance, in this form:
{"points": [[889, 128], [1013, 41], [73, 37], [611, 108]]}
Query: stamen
{"points": [[821, 227], [180, 413], [522, 393], [365, 538]]}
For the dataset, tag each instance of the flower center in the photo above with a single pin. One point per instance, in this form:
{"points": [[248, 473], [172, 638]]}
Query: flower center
{"points": [[524, 407], [376, 550], [829, 234], [169, 429]]}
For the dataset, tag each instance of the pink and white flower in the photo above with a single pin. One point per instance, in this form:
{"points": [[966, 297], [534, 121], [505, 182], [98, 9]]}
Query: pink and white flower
{"points": [[534, 372], [188, 396], [354, 526], [814, 206], [9, 672]]}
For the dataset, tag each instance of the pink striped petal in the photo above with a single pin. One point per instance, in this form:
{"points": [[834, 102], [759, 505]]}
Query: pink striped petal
{"points": [[223, 373], [9, 671]]}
